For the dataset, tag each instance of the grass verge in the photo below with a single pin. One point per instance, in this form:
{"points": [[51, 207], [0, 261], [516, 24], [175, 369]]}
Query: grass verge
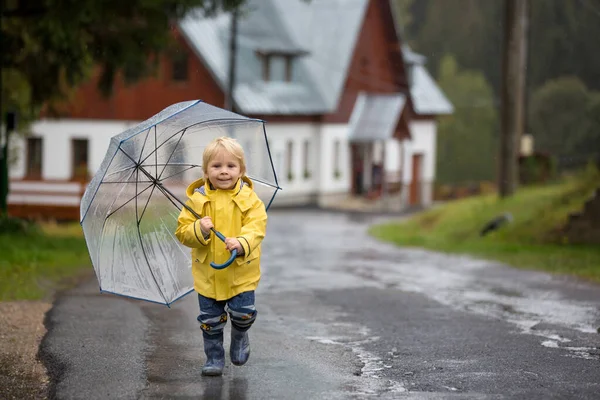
{"points": [[534, 240], [37, 262]]}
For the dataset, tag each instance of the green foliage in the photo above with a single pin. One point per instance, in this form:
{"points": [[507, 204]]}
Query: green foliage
{"points": [[466, 151], [564, 41], [533, 240], [10, 225], [468, 29], [36, 263], [401, 10], [50, 46], [563, 37], [536, 168], [564, 120]]}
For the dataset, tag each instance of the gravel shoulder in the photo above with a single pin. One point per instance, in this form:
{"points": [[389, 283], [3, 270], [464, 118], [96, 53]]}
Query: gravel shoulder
{"points": [[22, 329]]}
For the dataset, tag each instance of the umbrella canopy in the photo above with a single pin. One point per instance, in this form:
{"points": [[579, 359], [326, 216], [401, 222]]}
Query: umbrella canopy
{"points": [[129, 210]]}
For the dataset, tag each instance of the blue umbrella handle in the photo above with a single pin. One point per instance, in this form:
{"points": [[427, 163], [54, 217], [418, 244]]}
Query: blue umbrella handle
{"points": [[233, 253]]}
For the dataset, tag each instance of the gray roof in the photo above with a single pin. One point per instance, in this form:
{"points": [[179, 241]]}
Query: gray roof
{"points": [[426, 95], [375, 116], [322, 32], [326, 29], [410, 57]]}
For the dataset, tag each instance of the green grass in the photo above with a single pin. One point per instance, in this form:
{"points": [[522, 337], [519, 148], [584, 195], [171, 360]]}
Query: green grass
{"points": [[534, 240], [33, 265]]}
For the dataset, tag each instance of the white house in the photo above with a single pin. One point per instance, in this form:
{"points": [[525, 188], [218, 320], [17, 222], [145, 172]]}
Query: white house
{"points": [[342, 98]]}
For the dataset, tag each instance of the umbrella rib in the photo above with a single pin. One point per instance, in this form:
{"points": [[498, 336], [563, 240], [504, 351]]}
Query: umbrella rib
{"points": [[146, 206], [232, 120], [138, 218], [146, 165], [144, 145], [180, 172], [148, 262], [171, 155], [119, 171], [168, 195], [271, 202], [123, 182], [270, 157], [128, 201], [106, 218], [163, 143], [155, 154], [263, 182]]}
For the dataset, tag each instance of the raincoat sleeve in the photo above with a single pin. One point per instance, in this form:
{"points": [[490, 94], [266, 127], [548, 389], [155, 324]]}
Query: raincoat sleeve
{"points": [[188, 229], [254, 227]]}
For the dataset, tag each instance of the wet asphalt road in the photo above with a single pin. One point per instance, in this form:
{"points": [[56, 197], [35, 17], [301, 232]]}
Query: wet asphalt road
{"points": [[343, 316]]}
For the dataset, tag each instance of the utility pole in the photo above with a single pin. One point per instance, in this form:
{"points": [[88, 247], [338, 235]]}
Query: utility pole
{"points": [[514, 65], [232, 59]]}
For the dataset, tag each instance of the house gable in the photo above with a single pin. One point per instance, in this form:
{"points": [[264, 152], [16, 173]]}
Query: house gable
{"points": [[376, 65], [148, 96]]}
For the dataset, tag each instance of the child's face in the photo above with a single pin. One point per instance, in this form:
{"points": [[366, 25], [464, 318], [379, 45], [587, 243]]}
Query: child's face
{"points": [[223, 170]]}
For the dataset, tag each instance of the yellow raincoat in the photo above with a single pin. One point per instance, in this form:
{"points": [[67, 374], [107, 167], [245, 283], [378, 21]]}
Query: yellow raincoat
{"points": [[239, 213]]}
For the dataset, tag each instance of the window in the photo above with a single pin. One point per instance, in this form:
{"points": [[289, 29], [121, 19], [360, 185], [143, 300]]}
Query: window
{"points": [[80, 159], [337, 172], [276, 67], [307, 172], [34, 158], [290, 163], [179, 66]]}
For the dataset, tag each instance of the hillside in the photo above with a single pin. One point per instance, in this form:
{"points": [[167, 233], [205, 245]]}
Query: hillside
{"points": [[534, 239]]}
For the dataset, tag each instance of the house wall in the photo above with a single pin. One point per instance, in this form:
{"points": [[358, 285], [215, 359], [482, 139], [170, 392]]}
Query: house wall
{"points": [[298, 189], [423, 141], [320, 183], [56, 138], [332, 185], [148, 96], [56, 195]]}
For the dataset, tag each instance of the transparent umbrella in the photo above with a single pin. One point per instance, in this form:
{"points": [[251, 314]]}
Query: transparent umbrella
{"points": [[129, 210]]}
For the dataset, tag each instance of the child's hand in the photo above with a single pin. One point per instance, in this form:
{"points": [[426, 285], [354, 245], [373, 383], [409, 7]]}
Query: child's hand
{"points": [[233, 243], [206, 225]]}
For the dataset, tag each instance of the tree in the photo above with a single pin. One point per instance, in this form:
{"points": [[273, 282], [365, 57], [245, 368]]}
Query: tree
{"points": [[401, 10], [592, 137], [466, 139], [50, 46], [565, 122], [558, 116], [563, 36], [471, 30]]}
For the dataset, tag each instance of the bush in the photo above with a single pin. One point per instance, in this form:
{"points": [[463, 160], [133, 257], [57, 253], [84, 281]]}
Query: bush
{"points": [[536, 168], [10, 225]]}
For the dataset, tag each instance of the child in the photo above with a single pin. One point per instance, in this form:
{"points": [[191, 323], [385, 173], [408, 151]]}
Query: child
{"points": [[225, 198]]}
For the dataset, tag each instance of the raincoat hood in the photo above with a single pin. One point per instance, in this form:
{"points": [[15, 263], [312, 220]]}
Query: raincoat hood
{"points": [[200, 186]]}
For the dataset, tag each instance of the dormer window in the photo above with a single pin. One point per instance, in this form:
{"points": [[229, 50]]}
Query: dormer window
{"points": [[278, 65]]}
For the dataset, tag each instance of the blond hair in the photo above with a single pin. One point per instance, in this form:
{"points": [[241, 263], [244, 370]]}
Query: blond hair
{"points": [[228, 144]]}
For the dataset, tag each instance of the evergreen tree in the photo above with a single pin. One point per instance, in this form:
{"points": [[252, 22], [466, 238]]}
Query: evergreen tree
{"points": [[466, 139]]}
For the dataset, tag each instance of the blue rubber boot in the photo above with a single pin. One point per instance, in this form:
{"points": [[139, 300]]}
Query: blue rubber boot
{"points": [[215, 355], [239, 350]]}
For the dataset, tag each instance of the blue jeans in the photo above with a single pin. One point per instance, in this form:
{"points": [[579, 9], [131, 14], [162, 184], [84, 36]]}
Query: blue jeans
{"points": [[213, 313]]}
